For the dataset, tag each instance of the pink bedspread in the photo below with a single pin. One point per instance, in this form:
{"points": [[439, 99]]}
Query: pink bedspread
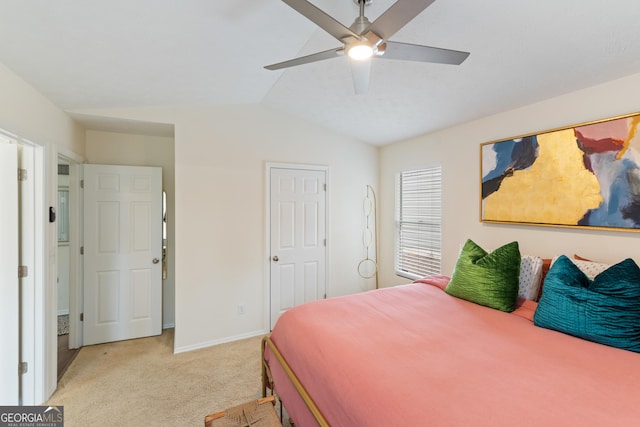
{"points": [[412, 355]]}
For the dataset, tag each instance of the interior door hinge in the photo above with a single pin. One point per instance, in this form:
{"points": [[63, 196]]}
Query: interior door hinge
{"points": [[82, 183], [22, 174], [23, 271], [81, 250], [325, 187], [325, 242], [82, 317], [23, 367]]}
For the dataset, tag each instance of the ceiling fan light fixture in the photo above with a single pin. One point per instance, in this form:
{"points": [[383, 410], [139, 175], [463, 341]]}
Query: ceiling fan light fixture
{"points": [[360, 51]]}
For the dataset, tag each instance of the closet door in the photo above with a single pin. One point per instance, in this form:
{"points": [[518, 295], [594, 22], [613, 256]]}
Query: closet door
{"points": [[297, 200], [9, 297]]}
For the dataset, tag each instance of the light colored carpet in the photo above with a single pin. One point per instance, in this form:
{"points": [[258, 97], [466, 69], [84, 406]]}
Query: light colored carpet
{"points": [[141, 382]]}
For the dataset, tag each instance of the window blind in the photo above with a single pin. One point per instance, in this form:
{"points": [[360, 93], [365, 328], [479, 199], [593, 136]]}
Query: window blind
{"points": [[418, 222]]}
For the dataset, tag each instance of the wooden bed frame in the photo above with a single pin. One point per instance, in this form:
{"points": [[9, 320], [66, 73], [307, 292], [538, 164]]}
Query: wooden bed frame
{"points": [[268, 383]]}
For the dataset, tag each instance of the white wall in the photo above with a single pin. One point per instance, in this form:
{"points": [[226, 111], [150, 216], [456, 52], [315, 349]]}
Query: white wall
{"points": [[221, 259], [63, 279], [110, 148], [27, 113], [457, 149]]}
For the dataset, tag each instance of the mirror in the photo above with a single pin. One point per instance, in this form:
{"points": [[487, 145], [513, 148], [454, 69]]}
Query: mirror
{"points": [[63, 215], [164, 235]]}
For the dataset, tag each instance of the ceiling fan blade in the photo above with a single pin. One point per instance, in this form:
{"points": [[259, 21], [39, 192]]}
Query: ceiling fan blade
{"points": [[360, 71], [321, 19], [397, 16], [414, 52], [314, 57]]}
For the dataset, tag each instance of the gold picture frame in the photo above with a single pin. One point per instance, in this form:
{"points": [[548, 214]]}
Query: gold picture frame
{"points": [[584, 176]]}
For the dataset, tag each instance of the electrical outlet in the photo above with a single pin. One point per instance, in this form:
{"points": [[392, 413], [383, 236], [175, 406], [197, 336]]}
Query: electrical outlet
{"points": [[241, 309]]}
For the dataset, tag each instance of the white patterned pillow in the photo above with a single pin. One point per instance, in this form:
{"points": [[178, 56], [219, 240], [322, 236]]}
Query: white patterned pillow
{"points": [[589, 268], [530, 277]]}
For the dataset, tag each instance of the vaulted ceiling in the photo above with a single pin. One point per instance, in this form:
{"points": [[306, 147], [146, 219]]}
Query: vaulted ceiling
{"points": [[95, 54]]}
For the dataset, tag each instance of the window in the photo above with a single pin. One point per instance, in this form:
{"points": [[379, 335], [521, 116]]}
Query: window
{"points": [[418, 222]]}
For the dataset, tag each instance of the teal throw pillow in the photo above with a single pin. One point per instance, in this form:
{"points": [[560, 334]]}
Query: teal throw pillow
{"points": [[604, 310], [489, 279]]}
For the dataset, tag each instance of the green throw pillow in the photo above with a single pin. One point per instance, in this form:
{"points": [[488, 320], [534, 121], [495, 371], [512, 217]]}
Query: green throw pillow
{"points": [[489, 279], [604, 310]]}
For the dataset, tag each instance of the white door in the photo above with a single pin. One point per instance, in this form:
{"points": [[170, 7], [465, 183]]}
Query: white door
{"points": [[297, 200], [122, 253], [9, 303]]}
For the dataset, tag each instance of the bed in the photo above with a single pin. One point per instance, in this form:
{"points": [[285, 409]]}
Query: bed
{"points": [[416, 355]]}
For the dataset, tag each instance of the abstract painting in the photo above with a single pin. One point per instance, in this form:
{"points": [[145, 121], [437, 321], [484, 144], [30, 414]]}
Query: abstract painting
{"points": [[581, 176]]}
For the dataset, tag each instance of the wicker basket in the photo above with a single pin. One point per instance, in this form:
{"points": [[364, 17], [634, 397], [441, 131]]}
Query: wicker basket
{"points": [[257, 413]]}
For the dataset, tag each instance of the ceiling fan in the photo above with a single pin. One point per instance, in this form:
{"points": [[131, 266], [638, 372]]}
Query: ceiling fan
{"points": [[365, 40]]}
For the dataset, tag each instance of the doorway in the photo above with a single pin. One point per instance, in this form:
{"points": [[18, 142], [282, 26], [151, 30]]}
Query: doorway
{"points": [[297, 199], [66, 240]]}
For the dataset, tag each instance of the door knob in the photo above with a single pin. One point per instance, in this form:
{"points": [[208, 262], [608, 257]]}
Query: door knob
{"points": [[275, 258], [155, 260]]}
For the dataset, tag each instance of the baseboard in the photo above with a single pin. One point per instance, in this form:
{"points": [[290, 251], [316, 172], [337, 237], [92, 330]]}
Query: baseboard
{"points": [[206, 344], [168, 326], [63, 312]]}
